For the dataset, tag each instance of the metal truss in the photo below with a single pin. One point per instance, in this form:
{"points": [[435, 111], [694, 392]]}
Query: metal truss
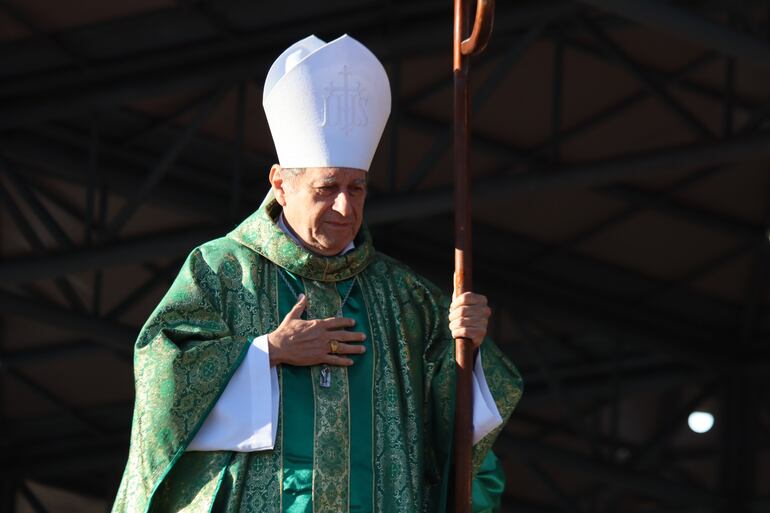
{"points": [[598, 343]]}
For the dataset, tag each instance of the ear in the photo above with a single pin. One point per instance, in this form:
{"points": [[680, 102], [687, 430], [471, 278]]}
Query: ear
{"points": [[276, 180]]}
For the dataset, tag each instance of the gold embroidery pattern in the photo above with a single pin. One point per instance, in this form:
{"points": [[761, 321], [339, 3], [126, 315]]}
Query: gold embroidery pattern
{"points": [[412, 438], [505, 381], [331, 448], [260, 233], [254, 478], [199, 333]]}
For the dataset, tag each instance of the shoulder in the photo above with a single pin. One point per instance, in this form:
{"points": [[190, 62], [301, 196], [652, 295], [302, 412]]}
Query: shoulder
{"points": [[407, 279], [223, 251], [223, 259]]}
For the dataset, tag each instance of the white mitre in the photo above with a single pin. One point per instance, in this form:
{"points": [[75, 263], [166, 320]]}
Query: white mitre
{"points": [[326, 103]]}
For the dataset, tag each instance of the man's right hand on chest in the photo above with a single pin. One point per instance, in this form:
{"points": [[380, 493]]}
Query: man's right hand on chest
{"points": [[301, 343]]}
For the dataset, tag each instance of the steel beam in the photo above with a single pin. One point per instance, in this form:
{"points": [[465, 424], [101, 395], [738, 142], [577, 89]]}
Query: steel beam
{"points": [[35, 433], [547, 427], [685, 25], [52, 40], [54, 399], [33, 202], [31, 498], [96, 462], [162, 166], [62, 284], [195, 61], [48, 157], [516, 157], [654, 86], [161, 278], [482, 93], [592, 174], [600, 367], [388, 210], [643, 456], [617, 476], [698, 215], [113, 335], [668, 427], [145, 156], [620, 106], [198, 63], [557, 97], [422, 204], [26, 151], [645, 163], [591, 384], [698, 88], [54, 351], [28, 268], [675, 333], [699, 271], [566, 503], [157, 126], [594, 387], [89, 216], [564, 395]]}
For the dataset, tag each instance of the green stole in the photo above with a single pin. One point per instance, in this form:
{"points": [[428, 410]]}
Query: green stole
{"points": [[300, 391], [317, 457]]}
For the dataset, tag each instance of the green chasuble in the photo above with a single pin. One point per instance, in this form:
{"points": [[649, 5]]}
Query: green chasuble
{"points": [[376, 440]]}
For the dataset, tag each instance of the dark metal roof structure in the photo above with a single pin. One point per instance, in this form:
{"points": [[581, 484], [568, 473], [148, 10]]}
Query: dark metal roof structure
{"points": [[621, 153]]}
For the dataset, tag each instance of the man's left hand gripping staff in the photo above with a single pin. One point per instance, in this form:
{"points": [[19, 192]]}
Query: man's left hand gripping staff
{"points": [[468, 317]]}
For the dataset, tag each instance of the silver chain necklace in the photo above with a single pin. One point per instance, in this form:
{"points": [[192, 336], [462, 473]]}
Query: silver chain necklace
{"points": [[325, 379]]}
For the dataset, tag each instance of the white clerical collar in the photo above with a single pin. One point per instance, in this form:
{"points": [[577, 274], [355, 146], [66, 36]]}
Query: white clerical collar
{"points": [[285, 228]]}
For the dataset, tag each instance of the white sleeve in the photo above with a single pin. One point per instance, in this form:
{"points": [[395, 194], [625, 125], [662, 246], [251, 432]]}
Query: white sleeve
{"points": [[486, 416], [246, 415]]}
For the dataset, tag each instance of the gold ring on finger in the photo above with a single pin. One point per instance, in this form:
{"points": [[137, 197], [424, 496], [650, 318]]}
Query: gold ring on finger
{"points": [[334, 346]]}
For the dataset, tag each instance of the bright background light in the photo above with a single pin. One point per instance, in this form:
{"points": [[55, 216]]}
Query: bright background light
{"points": [[700, 421]]}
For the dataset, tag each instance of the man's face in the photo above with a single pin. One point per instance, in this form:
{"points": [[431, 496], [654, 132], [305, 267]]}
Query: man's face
{"points": [[323, 205]]}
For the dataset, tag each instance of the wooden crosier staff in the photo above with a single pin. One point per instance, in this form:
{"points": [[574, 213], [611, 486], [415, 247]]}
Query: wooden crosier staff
{"points": [[462, 50]]}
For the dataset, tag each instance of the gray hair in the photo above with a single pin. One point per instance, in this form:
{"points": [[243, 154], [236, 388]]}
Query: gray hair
{"points": [[293, 172]]}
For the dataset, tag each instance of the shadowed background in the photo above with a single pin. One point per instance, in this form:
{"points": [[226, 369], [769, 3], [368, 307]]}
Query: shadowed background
{"points": [[621, 205]]}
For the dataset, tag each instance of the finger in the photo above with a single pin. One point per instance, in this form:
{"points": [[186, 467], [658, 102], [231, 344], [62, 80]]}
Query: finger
{"points": [[346, 336], [469, 298], [469, 333], [467, 324], [350, 349], [298, 308], [337, 360], [470, 312], [459, 312], [331, 323], [464, 330]]}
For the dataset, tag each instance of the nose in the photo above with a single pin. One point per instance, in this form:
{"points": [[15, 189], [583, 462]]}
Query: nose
{"points": [[342, 204]]}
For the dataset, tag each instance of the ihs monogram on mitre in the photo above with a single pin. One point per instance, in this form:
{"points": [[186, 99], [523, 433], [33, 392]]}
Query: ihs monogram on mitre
{"points": [[326, 104], [344, 106]]}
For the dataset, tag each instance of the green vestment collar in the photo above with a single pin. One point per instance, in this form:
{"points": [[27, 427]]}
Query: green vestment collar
{"points": [[260, 232]]}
